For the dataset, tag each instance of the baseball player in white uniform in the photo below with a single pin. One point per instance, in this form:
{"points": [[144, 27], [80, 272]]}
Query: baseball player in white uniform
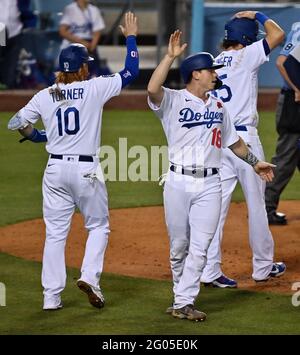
{"points": [[242, 57], [196, 125], [71, 111]]}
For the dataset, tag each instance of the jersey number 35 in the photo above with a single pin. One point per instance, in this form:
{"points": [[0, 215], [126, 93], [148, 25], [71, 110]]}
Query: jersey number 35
{"points": [[224, 90]]}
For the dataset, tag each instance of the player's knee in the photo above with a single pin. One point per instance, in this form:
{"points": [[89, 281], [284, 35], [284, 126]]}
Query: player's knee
{"points": [[96, 223], [179, 249], [200, 263]]}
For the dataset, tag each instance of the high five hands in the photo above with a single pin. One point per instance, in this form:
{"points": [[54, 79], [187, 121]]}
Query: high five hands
{"points": [[130, 27], [175, 49]]}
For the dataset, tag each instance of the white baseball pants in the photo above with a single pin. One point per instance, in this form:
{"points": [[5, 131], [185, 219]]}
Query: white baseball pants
{"points": [[260, 237], [67, 184], [191, 219]]}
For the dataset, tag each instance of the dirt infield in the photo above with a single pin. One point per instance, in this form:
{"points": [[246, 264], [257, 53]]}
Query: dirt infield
{"points": [[138, 245]]}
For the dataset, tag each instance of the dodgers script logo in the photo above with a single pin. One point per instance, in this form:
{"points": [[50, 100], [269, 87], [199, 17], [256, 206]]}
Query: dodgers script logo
{"points": [[197, 119]]}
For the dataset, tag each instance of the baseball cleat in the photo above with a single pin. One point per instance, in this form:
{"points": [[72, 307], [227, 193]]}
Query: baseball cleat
{"points": [[189, 312], [280, 214], [169, 310], [52, 307], [52, 303], [94, 294], [278, 269], [222, 282], [277, 218]]}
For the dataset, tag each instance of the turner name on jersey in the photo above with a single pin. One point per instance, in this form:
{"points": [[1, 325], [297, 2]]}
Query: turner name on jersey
{"points": [[226, 60], [68, 94], [72, 127]]}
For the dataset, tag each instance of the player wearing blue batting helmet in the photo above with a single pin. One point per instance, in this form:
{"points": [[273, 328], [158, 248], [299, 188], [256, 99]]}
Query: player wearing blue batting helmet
{"points": [[198, 61], [242, 30], [72, 57]]}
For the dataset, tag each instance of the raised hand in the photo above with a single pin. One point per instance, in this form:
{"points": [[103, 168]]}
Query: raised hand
{"points": [[175, 49], [248, 14], [130, 25]]}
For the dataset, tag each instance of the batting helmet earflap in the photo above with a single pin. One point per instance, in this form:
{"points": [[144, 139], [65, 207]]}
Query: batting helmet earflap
{"points": [[242, 30], [198, 61], [72, 57]]}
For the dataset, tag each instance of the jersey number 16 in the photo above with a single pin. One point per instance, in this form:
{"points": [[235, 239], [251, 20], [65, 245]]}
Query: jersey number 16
{"points": [[216, 138]]}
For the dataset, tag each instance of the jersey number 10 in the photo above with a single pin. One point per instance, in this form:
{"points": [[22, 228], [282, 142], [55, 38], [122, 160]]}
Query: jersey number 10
{"points": [[70, 113]]}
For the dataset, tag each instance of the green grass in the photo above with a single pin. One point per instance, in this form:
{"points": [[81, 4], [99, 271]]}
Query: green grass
{"points": [[22, 165], [135, 306]]}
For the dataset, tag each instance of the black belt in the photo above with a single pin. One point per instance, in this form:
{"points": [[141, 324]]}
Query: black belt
{"points": [[196, 172], [81, 157], [241, 128]]}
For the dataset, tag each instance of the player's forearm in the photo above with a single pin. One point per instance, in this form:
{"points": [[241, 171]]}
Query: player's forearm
{"points": [[27, 131], [131, 69], [240, 149], [25, 128], [274, 33], [32, 134], [158, 78]]}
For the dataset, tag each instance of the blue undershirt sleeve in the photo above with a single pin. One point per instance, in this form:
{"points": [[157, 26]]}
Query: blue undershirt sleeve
{"points": [[37, 136], [131, 70]]}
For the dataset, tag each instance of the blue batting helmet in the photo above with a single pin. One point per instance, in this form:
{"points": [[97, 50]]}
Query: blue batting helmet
{"points": [[72, 57], [198, 61], [242, 30]]}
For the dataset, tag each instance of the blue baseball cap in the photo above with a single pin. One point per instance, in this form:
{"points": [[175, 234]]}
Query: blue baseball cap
{"points": [[242, 30], [198, 61], [72, 57]]}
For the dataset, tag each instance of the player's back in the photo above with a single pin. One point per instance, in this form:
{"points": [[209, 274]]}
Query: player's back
{"points": [[240, 82], [72, 116]]}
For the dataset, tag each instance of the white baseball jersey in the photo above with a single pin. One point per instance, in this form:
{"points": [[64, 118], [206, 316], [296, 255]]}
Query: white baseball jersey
{"points": [[192, 126], [239, 93], [73, 125], [82, 23], [241, 69]]}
